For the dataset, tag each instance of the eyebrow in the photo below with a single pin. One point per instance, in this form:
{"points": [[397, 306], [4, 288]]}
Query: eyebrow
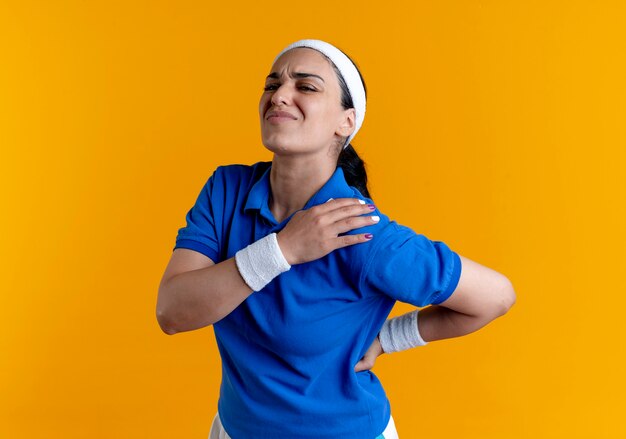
{"points": [[274, 75]]}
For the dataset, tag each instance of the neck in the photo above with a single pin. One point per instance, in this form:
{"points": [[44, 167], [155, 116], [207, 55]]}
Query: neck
{"points": [[294, 180]]}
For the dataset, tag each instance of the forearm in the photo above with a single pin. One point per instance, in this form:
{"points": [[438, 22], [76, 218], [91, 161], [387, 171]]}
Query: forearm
{"points": [[438, 322], [199, 298]]}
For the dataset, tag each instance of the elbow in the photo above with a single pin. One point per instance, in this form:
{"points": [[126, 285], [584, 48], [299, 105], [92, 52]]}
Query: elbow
{"points": [[172, 321], [165, 323], [164, 316], [506, 298]]}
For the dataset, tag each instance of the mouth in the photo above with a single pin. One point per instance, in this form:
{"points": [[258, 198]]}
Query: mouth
{"points": [[279, 116]]}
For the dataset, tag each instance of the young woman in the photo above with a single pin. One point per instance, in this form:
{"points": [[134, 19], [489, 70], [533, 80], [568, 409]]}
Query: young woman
{"points": [[297, 270]]}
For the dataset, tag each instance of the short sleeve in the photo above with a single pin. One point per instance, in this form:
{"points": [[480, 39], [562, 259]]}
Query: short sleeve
{"points": [[200, 233], [410, 267]]}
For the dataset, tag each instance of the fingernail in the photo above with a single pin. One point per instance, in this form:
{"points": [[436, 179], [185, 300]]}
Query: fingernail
{"points": [[361, 201], [369, 235], [375, 218], [371, 206]]}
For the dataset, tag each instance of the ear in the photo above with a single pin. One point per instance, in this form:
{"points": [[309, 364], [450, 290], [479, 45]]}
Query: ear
{"points": [[348, 123]]}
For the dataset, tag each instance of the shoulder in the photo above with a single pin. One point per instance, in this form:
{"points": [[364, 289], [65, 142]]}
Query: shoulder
{"points": [[390, 240], [386, 232]]}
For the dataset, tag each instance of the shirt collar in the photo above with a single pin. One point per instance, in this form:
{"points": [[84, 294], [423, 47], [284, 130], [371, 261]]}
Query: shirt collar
{"points": [[335, 187]]}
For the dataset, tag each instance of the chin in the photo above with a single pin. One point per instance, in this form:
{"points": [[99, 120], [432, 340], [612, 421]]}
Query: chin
{"points": [[278, 148], [281, 146]]}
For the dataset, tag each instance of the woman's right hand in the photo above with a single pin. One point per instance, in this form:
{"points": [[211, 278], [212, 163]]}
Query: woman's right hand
{"points": [[313, 233]]}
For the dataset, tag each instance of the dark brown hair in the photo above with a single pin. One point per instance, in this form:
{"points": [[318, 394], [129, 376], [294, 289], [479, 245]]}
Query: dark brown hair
{"points": [[353, 166]]}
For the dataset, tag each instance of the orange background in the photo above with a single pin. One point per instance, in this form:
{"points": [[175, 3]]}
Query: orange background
{"points": [[497, 127]]}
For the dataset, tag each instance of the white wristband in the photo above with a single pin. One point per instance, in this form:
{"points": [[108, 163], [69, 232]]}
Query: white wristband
{"points": [[261, 261], [401, 333]]}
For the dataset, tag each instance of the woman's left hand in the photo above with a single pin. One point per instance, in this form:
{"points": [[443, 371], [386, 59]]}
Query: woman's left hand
{"points": [[368, 360]]}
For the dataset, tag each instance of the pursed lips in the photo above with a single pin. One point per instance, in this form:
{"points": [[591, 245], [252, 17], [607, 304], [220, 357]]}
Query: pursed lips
{"points": [[280, 115]]}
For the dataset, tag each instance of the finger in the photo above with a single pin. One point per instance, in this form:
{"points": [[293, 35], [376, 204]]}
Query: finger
{"points": [[353, 223], [360, 366], [336, 203], [343, 211], [346, 240], [366, 363]]}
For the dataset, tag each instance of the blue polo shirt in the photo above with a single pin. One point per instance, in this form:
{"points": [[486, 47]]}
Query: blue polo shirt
{"points": [[289, 350]]}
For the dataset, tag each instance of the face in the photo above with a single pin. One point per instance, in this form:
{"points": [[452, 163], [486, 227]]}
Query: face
{"points": [[300, 109]]}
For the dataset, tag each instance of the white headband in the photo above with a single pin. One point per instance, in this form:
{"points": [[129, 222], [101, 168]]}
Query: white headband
{"points": [[348, 71]]}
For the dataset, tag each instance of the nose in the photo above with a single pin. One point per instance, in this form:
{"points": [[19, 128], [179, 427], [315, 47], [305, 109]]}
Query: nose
{"points": [[281, 95]]}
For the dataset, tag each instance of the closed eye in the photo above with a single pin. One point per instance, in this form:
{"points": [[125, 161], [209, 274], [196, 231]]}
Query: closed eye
{"points": [[271, 87]]}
